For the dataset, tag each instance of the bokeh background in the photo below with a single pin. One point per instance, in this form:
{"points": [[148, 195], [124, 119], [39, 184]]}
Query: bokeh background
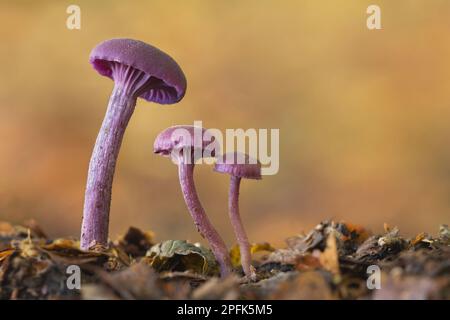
{"points": [[364, 116]]}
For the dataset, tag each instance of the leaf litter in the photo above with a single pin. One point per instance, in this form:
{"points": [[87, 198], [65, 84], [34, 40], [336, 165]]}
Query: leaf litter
{"points": [[329, 262]]}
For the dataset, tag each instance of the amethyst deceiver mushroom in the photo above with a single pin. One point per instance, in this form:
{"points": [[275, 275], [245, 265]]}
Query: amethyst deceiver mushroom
{"points": [[178, 143], [138, 70], [238, 166]]}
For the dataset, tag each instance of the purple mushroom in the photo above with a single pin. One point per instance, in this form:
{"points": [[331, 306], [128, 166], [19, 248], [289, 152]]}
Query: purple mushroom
{"points": [[138, 70], [239, 166], [178, 142]]}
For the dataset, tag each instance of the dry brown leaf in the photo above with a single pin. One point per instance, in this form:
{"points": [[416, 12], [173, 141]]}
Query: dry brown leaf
{"points": [[361, 233], [329, 258], [6, 253], [235, 252], [418, 238]]}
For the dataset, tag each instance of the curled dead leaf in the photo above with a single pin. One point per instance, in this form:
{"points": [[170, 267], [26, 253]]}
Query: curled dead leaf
{"points": [[68, 251], [180, 255], [329, 258]]}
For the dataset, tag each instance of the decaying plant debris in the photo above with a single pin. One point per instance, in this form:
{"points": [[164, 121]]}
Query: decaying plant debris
{"points": [[330, 262]]}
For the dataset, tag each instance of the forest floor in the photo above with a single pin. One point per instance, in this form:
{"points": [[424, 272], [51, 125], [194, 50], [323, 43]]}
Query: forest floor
{"points": [[332, 261]]}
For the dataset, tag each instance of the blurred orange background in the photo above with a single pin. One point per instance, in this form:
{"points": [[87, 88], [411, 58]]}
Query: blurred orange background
{"points": [[364, 116]]}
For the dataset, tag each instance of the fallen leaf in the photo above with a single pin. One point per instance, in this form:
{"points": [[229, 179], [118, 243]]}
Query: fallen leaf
{"points": [[67, 251], [392, 240], [357, 233], [235, 252], [444, 234], [180, 255], [329, 258], [418, 238], [5, 254]]}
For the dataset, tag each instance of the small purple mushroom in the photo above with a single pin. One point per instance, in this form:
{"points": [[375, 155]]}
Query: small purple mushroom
{"points": [[138, 70], [178, 143], [239, 166]]}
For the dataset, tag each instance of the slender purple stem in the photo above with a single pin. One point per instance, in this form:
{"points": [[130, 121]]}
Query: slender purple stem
{"points": [[204, 226], [95, 223], [239, 231]]}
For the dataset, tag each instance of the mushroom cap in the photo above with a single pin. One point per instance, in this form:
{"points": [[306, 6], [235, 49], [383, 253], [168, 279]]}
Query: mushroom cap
{"points": [[179, 138], [171, 86], [239, 165]]}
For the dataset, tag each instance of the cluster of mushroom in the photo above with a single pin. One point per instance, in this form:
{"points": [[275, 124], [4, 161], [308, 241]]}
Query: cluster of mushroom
{"points": [[141, 70]]}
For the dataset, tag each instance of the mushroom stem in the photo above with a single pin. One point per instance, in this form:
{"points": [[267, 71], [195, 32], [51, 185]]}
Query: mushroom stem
{"points": [[94, 229], [204, 226], [239, 231]]}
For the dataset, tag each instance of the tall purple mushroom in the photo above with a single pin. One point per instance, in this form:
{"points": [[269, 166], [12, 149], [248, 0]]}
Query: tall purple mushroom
{"points": [[179, 143], [138, 70], [238, 166]]}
